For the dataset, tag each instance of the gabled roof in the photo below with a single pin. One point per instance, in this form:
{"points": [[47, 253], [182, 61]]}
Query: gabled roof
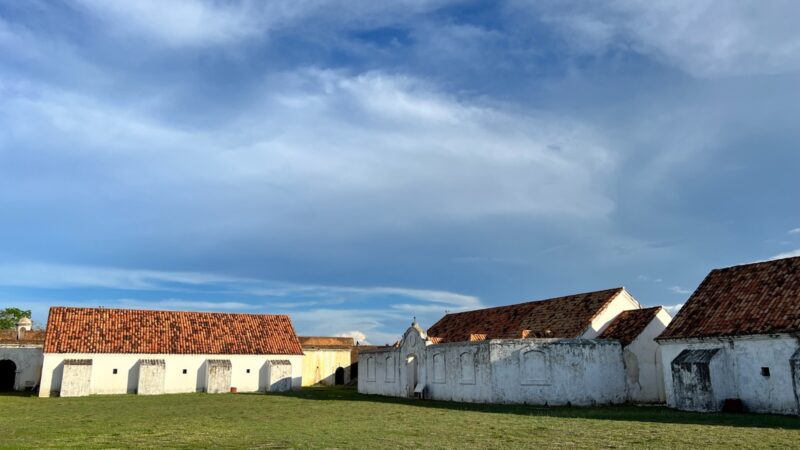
{"points": [[629, 324], [332, 342], [760, 298], [103, 330], [561, 317]]}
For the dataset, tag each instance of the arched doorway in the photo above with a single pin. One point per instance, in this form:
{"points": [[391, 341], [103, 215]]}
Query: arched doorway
{"points": [[339, 376], [8, 373], [411, 374]]}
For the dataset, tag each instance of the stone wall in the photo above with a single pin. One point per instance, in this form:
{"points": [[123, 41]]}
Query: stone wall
{"points": [[643, 365], [320, 364], [77, 377], [280, 376], [218, 376]]}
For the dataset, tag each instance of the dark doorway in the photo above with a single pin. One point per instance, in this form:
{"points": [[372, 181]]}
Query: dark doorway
{"points": [[8, 372], [354, 371], [339, 376]]}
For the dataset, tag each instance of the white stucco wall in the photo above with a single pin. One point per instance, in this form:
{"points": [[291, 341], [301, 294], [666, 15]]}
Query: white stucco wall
{"points": [[104, 381], [740, 375], [28, 359], [622, 302], [643, 368], [534, 371]]}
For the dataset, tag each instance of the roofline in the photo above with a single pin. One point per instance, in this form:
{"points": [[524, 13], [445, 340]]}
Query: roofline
{"points": [[755, 263], [727, 336], [168, 311], [620, 289]]}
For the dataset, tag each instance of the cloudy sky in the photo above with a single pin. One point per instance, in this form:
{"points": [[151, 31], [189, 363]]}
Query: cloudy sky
{"points": [[355, 164]]}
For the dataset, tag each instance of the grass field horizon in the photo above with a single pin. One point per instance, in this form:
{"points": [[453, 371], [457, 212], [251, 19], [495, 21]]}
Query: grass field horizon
{"points": [[342, 418]]}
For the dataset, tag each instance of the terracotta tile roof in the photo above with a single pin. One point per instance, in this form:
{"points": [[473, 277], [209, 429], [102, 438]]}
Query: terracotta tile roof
{"points": [[760, 298], [561, 317], [326, 342], [28, 337], [103, 330], [629, 324]]}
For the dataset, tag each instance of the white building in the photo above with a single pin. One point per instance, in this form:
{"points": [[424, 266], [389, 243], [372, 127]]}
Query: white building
{"points": [[117, 351], [736, 340], [544, 352], [20, 357]]}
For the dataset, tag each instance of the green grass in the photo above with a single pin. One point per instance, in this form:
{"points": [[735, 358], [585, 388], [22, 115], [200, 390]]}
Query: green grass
{"points": [[341, 418]]}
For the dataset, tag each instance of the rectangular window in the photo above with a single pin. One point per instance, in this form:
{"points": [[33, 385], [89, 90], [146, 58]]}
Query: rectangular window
{"points": [[114, 371], [765, 371], [184, 371], [248, 370]]}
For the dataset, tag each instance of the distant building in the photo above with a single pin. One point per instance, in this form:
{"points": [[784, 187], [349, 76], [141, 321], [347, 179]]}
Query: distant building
{"points": [[116, 351], [20, 356], [326, 360], [737, 339], [542, 352]]}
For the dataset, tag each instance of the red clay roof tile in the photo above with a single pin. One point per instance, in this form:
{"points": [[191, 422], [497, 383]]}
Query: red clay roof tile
{"points": [[103, 330], [561, 317], [629, 324], [760, 298]]}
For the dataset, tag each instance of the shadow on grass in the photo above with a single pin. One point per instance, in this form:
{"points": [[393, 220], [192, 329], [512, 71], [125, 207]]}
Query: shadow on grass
{"points": [[629, 413]]}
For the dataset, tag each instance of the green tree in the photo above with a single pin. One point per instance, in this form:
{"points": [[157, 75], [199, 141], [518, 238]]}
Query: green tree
{"points": [[10, 316]]}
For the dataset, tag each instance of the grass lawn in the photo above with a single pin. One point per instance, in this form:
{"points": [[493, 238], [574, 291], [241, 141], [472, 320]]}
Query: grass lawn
{"points": [[341, 418]]}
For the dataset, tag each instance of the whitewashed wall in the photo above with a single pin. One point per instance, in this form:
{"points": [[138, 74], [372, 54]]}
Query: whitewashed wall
{"points": [[643, 367], [104, 381], [743, 358], [28, 359], [534, 371]]}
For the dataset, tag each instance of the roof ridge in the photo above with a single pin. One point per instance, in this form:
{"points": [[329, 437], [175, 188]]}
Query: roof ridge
{"points": [[179, 311], [755, 263], [617, 289]]}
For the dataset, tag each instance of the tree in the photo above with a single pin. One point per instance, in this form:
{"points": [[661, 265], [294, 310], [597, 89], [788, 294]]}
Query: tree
{"points": [[10, 316]]}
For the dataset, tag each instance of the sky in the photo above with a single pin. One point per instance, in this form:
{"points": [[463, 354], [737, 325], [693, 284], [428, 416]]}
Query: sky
{"points": [[358, 164]]}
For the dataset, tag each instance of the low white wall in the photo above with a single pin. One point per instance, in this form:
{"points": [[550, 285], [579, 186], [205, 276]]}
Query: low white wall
{"points": [[533, 371], [28, 359], [741, 377], [557, 372], [104, 381]]}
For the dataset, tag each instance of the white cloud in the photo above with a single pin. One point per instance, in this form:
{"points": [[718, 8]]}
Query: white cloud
{"points": [[794, 231], [358, 336], [789, 254], [706, 38], [679, 290], [673, 309]]}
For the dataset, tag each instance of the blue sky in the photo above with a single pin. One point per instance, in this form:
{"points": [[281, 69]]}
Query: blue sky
{"points": [[357, 164]]}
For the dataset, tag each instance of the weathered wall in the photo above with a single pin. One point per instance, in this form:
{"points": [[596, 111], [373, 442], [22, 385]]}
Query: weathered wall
{"points": [[319, 365], [644, 373], [28, 359], [218, 376], [535, 371], [76, 379], [248, 372], [557, 372], [737, 373], [280, 376], [152, 373]]}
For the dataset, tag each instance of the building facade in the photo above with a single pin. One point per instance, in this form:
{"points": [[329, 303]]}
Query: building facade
{"points": [[326, 360], [546, 352], [20, 357], [735, 341], [116, 351]]}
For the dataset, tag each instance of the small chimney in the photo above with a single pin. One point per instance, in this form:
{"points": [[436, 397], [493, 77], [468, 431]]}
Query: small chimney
{"points": [[23, 325]]}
